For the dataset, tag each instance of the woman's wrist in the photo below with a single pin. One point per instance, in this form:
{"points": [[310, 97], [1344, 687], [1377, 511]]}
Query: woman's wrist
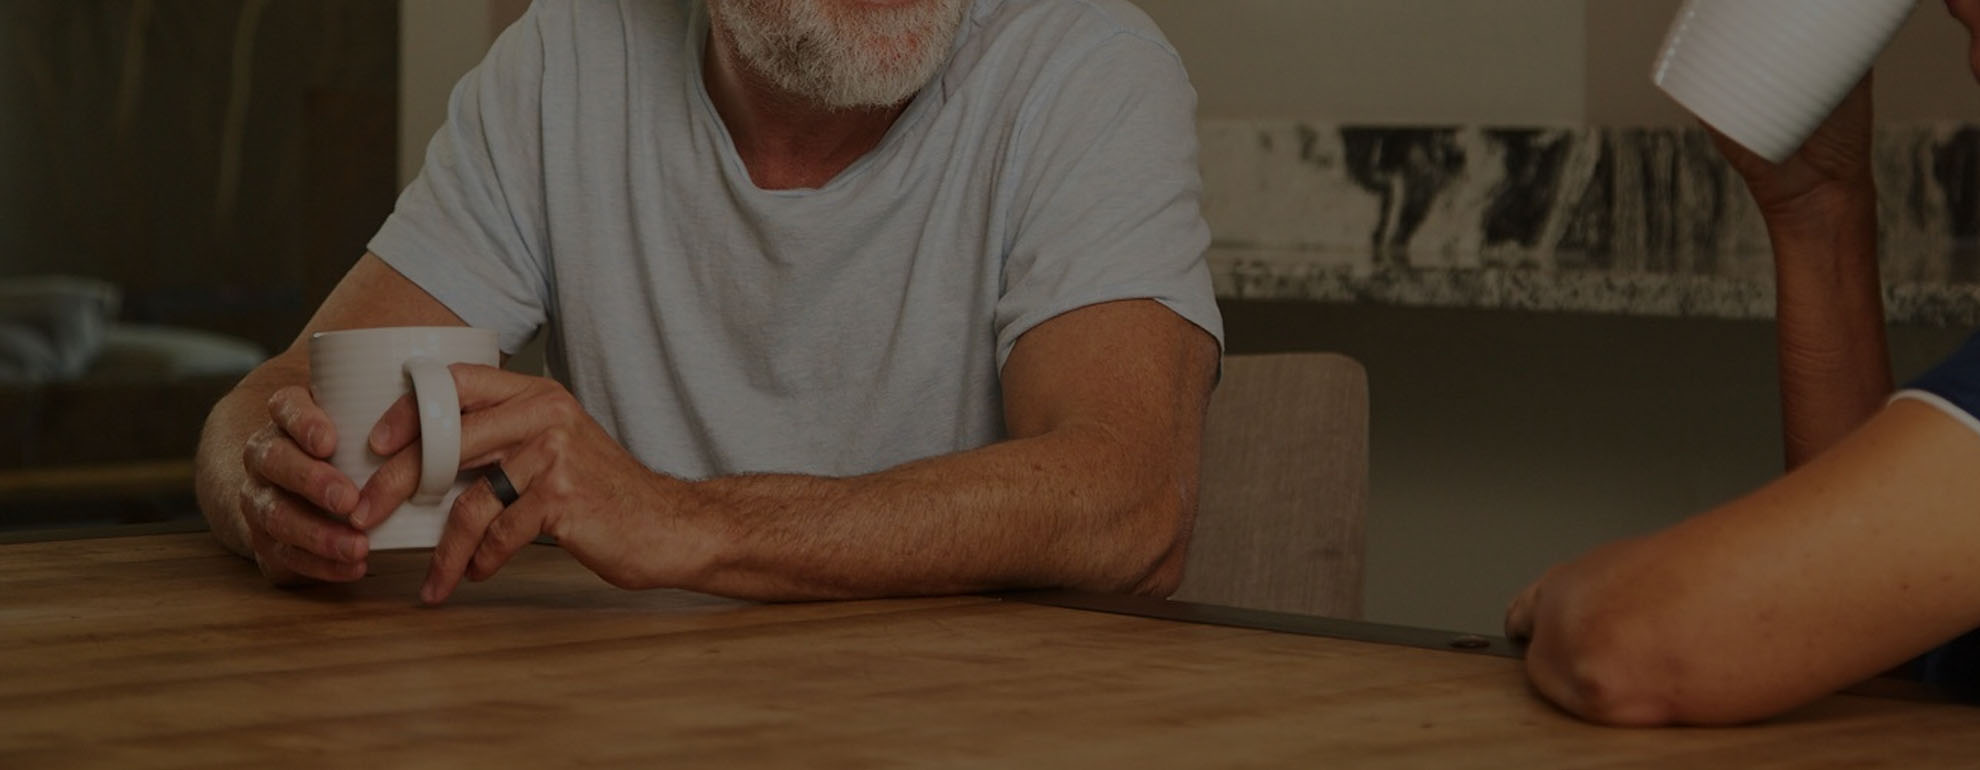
{"points": [[1838, 219]]}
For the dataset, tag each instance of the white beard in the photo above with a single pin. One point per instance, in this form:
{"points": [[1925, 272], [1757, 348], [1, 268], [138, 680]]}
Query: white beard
{"points": [[839, 56]]}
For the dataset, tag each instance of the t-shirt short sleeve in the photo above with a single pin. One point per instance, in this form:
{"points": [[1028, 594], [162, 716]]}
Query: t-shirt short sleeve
{"points": [[1953, 386], [1108, 198], [470, 229]]}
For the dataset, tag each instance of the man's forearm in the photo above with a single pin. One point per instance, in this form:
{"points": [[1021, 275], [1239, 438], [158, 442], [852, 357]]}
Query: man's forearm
{"points": [[1065, 509], [1834, 364]]}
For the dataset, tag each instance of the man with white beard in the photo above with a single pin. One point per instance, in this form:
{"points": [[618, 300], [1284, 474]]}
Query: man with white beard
{"points": [[843, 298]]}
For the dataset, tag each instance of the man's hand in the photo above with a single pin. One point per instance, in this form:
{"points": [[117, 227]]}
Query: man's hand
{"points": [[576, 484], [262, 481], [1094, 489], [293, 500]]}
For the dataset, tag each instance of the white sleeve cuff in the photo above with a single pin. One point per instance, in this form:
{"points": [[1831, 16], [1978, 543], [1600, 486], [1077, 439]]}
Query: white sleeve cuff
{"points": [[1937, 402]]}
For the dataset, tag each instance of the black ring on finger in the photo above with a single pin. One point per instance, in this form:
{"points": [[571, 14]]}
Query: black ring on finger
{"points": [[498, 483]]}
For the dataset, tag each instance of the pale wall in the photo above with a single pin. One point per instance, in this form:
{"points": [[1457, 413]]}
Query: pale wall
{"points": [[439, 41], [1383, 61], [1510, 62]]}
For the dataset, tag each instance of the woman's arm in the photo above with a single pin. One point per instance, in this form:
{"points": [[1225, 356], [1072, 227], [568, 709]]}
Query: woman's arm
{"points": [[1847, 567], [1821, 211]]}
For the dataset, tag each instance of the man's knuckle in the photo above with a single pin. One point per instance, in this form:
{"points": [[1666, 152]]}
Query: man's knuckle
{"points": [[556, 485], [326, 543], [464, 522], [284, 522], [561, 406], [256, 500], [255, 451], [287, 405], [506, 529], [322, 479]]}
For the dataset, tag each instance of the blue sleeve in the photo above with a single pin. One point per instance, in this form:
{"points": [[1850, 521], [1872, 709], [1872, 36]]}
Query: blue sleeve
{"points": [[1954, 667], [1955, 380]]}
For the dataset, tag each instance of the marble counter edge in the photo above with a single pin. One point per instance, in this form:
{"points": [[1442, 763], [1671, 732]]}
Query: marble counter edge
{"points": [[1241, 273]]}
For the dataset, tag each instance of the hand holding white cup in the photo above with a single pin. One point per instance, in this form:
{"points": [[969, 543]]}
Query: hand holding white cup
{"points": [[1766, 73], [356, 375]]}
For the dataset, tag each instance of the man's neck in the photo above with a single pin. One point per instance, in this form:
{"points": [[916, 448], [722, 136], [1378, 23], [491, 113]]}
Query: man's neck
{"points": [[787, 142]]}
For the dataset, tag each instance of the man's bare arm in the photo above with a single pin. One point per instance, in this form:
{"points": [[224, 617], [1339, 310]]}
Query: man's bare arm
{"points": [[1096, 488], [300, 484]]}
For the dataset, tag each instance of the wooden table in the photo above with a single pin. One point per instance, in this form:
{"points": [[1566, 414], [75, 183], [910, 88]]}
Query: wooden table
{"points": [[163, 651]]}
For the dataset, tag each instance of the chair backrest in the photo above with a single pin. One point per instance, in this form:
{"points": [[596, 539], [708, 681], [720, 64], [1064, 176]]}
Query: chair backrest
{"points": [[1284, 487]]}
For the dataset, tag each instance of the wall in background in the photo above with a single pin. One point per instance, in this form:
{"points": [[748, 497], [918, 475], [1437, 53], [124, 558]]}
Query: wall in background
{"points": [[439, 41], [1503, 62], [218, 160], [1516, 62]]}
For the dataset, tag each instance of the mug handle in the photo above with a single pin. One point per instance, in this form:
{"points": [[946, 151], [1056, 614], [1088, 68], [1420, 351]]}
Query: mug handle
{"points": [[439, 428]]}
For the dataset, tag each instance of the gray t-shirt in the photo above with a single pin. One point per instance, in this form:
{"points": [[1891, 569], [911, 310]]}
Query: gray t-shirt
{"points": [[585, 184]]}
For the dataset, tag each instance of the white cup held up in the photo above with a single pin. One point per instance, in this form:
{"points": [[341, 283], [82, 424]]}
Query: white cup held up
{"points": [[1766, 73]]}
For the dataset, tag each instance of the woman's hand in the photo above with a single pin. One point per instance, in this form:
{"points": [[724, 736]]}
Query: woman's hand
{"points": [[1835, 162]]}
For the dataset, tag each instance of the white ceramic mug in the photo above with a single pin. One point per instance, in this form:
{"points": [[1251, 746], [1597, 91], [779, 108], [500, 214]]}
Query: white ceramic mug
{"points": [[356, 375], [1766, 73]]}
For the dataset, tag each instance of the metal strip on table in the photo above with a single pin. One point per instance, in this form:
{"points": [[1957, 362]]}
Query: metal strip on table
{"points": [[1361, 631], [1285, 622]]}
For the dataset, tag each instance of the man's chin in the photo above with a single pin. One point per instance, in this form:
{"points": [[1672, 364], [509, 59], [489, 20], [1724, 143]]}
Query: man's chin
{"points": [[872, 97]]}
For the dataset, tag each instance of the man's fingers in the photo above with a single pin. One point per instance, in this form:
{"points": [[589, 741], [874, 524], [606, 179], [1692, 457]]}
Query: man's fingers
{"points": [[295, 413], [396, 428], [484, 386], [309, 565], [511, 530], [272, 457], [467, 523], [282, 518], [474, 520], [480, 387], [504, 410], [492, 435], [390, 486]]}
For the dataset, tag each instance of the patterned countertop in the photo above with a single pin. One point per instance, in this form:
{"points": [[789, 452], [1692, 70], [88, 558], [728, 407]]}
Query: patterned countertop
{"points": [[1630, 221]]}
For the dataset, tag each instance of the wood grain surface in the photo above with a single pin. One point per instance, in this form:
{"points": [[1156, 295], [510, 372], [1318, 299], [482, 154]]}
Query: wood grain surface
{"points": [[163, 651]]}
